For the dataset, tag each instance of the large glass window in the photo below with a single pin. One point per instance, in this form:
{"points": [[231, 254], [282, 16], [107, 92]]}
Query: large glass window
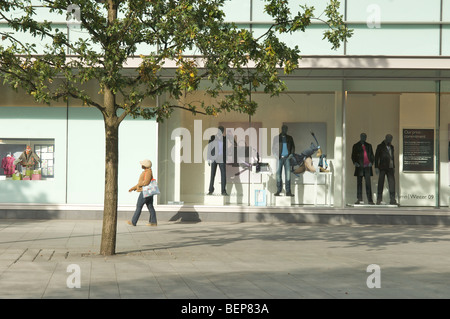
{"points": [[404, 171], [312, 113], [444, 144]]}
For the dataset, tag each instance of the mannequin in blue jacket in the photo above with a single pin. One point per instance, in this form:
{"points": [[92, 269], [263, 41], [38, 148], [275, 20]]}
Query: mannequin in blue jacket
{"points": [[286, 150]]}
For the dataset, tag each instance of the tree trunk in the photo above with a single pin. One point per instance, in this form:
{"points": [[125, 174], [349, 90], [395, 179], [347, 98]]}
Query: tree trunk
{"points": [[109, 230]]}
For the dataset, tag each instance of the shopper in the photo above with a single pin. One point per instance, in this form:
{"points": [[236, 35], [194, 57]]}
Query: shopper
{"points": [[144, 179]]}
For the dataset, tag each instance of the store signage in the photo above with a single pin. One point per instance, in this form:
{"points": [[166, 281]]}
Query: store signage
{"points": [[418, 150]]}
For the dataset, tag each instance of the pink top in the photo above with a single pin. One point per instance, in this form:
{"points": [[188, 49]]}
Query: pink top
{"points": [[8, 165], [366, 158]]}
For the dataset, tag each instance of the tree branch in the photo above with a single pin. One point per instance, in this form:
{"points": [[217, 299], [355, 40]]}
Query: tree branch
{"points": [[187, 109]]}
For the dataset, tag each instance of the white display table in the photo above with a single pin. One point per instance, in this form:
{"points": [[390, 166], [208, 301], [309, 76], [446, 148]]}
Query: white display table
{"points": [[328, 184]]}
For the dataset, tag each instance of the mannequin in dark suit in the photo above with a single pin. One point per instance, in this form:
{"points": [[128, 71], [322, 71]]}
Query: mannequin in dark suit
{"points": [[363, 158], [385, 166], [217, 157]]}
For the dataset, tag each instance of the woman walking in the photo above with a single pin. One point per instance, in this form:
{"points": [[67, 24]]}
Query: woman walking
{"points": [[144, 179]]}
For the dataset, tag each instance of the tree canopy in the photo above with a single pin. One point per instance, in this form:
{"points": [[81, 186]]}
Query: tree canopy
{"points": [[225, 55]]}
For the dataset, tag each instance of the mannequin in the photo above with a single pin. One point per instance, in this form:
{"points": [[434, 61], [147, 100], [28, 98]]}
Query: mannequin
{"points": [[363, 158], [28, 159], [303, 161], [286, 150], [217, 156], [385, 166]]}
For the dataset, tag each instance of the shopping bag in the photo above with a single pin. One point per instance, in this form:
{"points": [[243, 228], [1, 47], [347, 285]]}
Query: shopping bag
{"points": [[36, 175], [260, 197], [151, 189], [17, 176]]}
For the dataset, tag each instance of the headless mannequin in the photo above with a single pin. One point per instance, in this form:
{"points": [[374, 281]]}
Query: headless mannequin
{"points": [[217, 145], [286, 152]]}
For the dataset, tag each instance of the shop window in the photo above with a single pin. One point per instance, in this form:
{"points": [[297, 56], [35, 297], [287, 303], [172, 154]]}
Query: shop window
{"points": [[404, 124], [27, 159], [251, 164]]}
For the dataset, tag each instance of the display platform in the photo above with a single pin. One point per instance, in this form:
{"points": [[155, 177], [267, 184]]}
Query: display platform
{"points": [[216, 200], [284, 200]]}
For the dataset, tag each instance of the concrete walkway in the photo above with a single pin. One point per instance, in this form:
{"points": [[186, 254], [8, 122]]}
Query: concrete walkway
{"points": [[223, 260]]}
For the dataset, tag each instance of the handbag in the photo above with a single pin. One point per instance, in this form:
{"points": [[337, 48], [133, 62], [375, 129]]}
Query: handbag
{"points": [[151, 189]]}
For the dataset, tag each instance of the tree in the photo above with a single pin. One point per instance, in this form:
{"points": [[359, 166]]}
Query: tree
{"points": [[226, 57]]}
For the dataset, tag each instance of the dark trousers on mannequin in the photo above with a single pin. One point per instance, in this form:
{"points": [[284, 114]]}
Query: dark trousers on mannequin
{"points": [[223, 176], [366, 176], [391, 181]]}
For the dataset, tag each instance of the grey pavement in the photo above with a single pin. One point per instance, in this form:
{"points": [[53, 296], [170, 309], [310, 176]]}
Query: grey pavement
{"points": [[222, 260]]}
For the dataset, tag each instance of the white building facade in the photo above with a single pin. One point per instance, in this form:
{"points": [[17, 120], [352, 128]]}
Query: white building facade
{"points": [[391, 77]]}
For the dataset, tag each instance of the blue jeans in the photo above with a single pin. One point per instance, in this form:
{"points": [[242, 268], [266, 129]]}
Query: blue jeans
{"points": [[140, 203], [286, 163]]}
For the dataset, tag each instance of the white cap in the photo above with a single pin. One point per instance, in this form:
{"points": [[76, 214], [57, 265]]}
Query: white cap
{"points": [[146, 163]]}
